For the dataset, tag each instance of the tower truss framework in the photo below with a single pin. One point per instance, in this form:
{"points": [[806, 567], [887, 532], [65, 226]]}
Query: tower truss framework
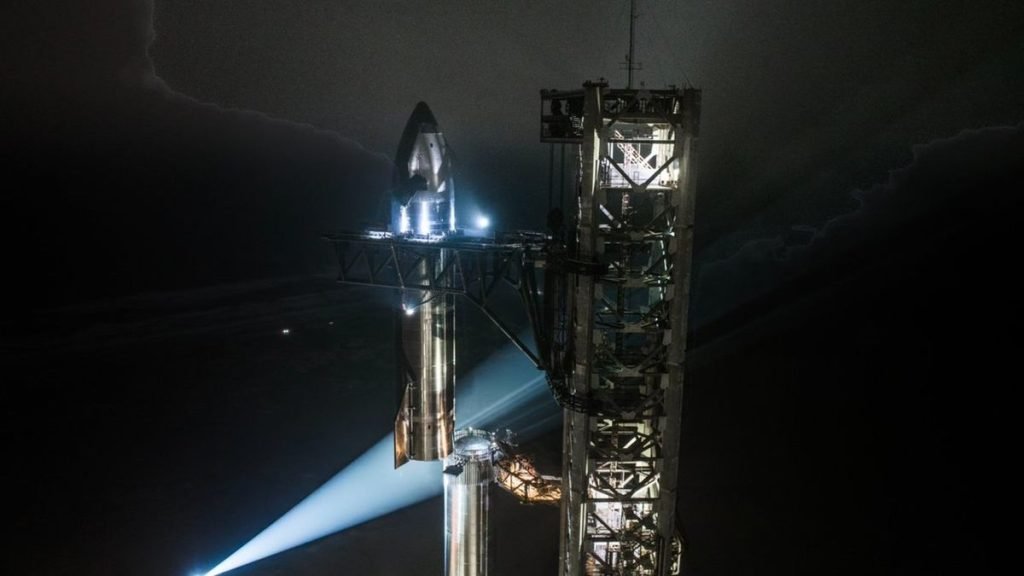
{"points": [[635, 193], [476, 269]]}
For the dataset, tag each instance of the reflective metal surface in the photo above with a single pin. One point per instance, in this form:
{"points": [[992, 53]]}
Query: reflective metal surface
{"points": [[468, 476], [424, 199], [426, 418]]}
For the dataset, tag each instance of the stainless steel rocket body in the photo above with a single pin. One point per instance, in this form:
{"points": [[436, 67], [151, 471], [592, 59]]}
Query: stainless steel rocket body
{"points": [[469, 473], [423, 211], [426, 418]]}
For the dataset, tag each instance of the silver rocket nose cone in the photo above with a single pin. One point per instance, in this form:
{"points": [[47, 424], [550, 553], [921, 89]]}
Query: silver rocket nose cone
{"points": [[421, 121], [422, 115]]}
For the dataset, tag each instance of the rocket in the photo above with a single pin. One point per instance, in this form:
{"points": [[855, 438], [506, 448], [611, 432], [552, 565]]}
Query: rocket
{"points": [[423, 208]]}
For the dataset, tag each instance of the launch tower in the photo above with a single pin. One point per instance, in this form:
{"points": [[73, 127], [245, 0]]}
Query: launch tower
{"points": [[625, 322]]}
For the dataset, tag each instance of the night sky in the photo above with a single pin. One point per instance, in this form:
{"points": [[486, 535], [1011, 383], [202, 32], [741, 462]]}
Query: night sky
{"points": [[169, 167]]}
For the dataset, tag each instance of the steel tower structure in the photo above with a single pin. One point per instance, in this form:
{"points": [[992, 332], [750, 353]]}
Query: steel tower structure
{"points": [[627, 314]]}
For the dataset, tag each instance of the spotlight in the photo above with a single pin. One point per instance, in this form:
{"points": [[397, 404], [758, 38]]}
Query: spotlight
{"points": [[483, 222]]}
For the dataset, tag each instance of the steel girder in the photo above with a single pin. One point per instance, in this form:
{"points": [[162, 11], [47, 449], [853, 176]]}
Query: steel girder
{"points": [[635, 219]]}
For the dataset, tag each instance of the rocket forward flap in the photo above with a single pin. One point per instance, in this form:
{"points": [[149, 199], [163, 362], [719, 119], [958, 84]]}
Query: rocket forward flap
{"points": [[406, 190]]}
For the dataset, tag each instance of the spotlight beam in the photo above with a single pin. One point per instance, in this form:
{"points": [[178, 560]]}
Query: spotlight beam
{"points": [[370, 487], [367, 488]]}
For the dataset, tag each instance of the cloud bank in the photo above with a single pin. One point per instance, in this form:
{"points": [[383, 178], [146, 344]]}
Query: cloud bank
{"points": [[949, 182]]}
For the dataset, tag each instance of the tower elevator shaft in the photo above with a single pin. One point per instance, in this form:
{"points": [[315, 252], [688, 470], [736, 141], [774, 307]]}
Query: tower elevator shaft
{"points": [[628, 298]]}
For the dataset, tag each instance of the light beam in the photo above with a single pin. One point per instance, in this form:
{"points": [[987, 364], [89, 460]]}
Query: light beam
{"points": [[367, 488], [370, 487]]}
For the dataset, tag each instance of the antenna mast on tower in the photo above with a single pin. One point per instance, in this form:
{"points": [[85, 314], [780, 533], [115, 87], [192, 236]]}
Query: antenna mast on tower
{"points": [[630, 62]]}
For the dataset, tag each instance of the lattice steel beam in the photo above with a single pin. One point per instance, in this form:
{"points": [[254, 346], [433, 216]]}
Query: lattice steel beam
{"points": [[629, 326]]}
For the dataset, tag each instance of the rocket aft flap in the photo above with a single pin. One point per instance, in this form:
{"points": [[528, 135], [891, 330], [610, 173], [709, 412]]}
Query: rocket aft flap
{"points": [[426, 349]]}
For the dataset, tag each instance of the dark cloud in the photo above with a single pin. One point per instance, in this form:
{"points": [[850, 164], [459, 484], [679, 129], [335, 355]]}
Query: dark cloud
{"points": [[124, 184], [71, 47], [847, 389], [947, 186]]}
